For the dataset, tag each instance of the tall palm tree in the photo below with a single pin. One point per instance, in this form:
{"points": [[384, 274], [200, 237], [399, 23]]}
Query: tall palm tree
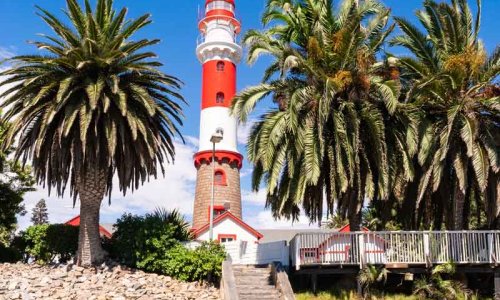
{"points": [[451, 78], [339, 128], [93, 105]]}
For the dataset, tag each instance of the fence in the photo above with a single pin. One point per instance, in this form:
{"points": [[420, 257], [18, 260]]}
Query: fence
{"points": [[404, 247]]}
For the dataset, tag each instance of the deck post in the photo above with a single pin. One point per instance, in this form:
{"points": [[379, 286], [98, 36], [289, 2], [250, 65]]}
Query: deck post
{"points": [[361, 246], [491, 252], [297, 252], [314, 283], [427, 251], [497, 286]]}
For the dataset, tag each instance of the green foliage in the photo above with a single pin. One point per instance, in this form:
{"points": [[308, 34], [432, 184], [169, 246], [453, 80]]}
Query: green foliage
{"points": [[45, 243], [452, 80], [436, 287], [39, 214], [372, 280], [153, 243], [201, 264], [340, 133], [337, 221], [374, 220], [9, 254], [15, 181], [92, 74], [349, 295], [140, 241]]}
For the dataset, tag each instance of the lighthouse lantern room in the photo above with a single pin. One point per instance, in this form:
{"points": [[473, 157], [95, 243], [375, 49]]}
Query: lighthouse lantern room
{"points": [[219, 53]]}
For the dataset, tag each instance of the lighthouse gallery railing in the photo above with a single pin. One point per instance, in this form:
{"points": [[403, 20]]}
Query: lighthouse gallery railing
{"points": [[395, 248]]}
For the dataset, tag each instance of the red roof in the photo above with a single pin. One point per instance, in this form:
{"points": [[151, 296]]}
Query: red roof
{"points": [[237, 220], [347, 228], [76, 222]]}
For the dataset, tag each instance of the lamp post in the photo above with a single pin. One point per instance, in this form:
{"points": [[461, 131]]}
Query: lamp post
{"points": [[215, 139]]}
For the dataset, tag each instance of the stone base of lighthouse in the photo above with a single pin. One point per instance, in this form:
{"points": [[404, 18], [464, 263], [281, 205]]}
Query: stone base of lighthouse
{"points": [[226, 185]]}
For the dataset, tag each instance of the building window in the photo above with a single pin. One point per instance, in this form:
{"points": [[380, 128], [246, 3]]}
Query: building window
{"points": [[218, 211], [219, 99], [220, 177], [220, 66], [226, 238], [309, 254]]}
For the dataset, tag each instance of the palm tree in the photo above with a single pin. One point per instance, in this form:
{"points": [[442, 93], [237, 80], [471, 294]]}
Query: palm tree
{"points": [[93, 105], [175, 220], [453, 81], [436, 287], [372, 277], [338, 133]]}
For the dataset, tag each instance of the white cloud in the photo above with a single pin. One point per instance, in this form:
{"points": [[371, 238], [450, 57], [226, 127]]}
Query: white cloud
{"points": [[174, 191], [265, 220], [245, 172], [244, 131], [6, 53], [4, 88], [249, 197]]}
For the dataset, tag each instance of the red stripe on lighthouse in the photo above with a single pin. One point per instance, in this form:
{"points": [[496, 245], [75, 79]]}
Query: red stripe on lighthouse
{"points": [[219, 84]]}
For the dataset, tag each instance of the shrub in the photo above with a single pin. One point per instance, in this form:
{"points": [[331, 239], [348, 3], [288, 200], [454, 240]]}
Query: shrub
{"points": [[201, 264], [45, 243], [140, 241], [9, 254], [153, 243]]}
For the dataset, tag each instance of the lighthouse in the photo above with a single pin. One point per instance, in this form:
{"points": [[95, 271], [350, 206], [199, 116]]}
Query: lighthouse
{"points": [[218, 162]]}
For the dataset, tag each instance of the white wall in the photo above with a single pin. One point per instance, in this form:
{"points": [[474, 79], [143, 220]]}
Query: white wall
{"points": [[213, 118], [243, 253], [229, 226]]}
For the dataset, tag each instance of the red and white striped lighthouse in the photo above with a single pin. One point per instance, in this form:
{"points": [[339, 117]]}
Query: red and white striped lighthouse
{"points": [[219, 53]]}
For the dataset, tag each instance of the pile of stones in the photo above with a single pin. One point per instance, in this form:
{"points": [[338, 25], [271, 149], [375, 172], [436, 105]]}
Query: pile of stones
{"points": [[109, 281]]}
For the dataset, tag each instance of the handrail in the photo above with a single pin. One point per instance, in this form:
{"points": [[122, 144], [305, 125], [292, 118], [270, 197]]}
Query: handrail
{"points": [[228, 282], [281, 281], [395, 247]]}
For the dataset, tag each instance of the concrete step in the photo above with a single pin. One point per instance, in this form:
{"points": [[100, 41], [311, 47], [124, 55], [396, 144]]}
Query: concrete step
{"points": [[252, 271], [255, 283], [259, 294], [251, 297], [252, 276]]}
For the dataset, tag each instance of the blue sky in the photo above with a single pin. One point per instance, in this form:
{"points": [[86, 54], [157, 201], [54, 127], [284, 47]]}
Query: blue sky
{"points": [[175, 23]]}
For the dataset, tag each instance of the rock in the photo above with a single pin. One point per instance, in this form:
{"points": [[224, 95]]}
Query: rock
{"points": [[13, 285], [106, 282]]}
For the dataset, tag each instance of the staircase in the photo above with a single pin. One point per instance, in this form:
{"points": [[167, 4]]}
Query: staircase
{"points": [[255, 283]]}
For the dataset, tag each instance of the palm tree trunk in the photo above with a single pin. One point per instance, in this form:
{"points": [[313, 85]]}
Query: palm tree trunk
{"points": [[91, 189], [355, 213], [458, 209], [492, 201]]}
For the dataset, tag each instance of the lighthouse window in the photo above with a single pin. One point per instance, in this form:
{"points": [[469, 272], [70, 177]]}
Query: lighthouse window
{"points": [[219, 178], [220, 66], [219, 98], [220, 4]]}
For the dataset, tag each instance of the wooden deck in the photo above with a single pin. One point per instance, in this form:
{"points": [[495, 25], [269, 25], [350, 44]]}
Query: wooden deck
{"points": [[398, 250]]}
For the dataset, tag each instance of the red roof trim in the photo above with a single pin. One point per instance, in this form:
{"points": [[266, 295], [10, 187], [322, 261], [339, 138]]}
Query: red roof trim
{"points": [[347, 228], [237, 220], [76, 222]]}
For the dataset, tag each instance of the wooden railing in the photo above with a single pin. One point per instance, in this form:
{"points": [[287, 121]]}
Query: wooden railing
{"points": [[401, 247]]}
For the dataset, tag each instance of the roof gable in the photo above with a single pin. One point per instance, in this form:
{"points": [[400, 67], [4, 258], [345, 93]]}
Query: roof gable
{"points": [[347, 228], [238, 221]]}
